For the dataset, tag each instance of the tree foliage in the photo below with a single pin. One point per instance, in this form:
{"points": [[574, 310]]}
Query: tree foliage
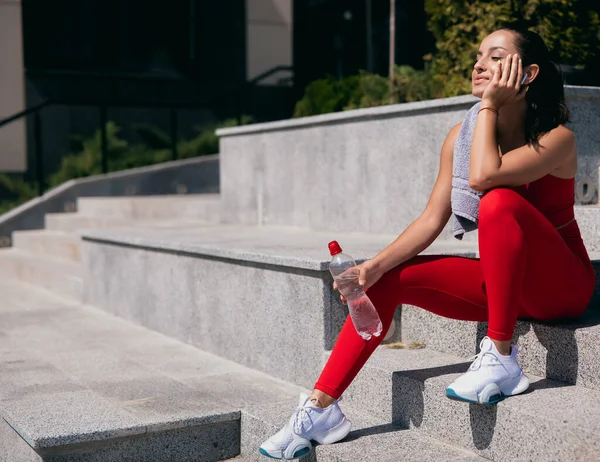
{"points": [[569, 27], [85, 158], [366, 90]]}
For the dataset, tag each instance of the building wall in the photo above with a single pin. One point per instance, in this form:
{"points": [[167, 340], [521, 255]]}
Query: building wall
{"points": [[12, 93], [269, 37]]}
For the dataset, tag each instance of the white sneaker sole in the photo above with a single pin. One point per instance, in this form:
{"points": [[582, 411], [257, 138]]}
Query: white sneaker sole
{"points": [[297, 448], [492, 393], [300, 447]]}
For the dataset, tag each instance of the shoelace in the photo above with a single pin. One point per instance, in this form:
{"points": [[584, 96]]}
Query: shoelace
{"points": [[478, 359], [301, 418]]}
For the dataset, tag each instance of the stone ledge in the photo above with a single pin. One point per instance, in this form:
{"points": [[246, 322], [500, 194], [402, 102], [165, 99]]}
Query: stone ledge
{"points": [[371, 439], [78, 381], [277, 246], [552, 421], [575, 91], [434, 105], [198, 175], [566, 351], [74, 418], [185, 282]]}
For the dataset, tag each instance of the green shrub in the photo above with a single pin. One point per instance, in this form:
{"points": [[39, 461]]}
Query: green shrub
{"points": [[85, 158], [413, 85], [369, 90], [569, 27], [154, 148], [366, 90], [327, 95], [20, 190], [88, 161], [152, 136]]}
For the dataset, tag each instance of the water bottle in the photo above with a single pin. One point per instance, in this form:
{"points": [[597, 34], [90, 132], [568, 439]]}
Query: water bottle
{"points": [[345, 273]]}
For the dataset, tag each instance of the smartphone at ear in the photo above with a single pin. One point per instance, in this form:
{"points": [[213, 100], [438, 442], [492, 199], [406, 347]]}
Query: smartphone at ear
{"points": [[524, 78]]}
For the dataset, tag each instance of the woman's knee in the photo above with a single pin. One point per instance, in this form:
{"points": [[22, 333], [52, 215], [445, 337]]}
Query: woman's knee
{"points": [[498, 203]]}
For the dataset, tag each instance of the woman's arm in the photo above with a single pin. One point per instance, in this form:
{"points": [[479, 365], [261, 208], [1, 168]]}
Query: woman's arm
{"points": [[425, 229], [522, 165], [519, 166]]}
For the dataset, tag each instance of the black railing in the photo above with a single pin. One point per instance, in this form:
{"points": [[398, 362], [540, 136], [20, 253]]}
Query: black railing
{"points": [[259, 78], [243, 89], [37, 134], [103, 109], [25, 113]]}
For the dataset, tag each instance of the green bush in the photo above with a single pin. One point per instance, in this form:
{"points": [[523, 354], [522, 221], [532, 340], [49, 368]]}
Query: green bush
{"points": [[206, 142], [20, 190], [569, 27], [154, 148], [88, 161], [86, 156], [327, 95], [366, 90]]}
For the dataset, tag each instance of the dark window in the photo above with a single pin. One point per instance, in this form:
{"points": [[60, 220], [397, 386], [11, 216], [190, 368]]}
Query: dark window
{"points": [[200, 38], [330, 37]]}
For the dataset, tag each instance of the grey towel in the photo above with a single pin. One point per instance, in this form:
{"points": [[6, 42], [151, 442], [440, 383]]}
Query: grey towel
{"points": [[464, 200]]}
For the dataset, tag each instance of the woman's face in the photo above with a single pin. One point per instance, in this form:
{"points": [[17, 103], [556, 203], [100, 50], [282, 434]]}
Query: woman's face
{"points": [[494, 48]]}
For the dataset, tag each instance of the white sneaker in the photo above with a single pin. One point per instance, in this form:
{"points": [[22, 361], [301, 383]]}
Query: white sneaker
{"points": [[309, 422], [490, 378]]}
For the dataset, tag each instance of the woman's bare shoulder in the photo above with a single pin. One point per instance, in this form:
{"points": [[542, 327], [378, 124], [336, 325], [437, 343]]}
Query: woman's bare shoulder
{"points": [[561, 134], [450, 141], [454, 131], [564, 139]]}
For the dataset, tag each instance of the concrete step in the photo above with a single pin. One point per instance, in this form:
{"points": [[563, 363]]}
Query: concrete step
{"points": [[279, 273], [79, 384], [565, 350], [59, 276], [371, 439], [552, 421], [57, 244], [588, 219], [202, 206], [185, 282], [76, 222], [71, 222]]}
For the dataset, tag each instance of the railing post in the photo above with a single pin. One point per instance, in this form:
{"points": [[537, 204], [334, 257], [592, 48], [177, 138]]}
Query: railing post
{"points": [[174, 131], [39, 158], [240, 102], [103, 141]]}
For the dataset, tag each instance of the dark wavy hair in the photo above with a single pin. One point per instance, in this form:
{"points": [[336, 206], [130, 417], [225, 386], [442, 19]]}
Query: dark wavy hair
{"points": [[547, 108]]}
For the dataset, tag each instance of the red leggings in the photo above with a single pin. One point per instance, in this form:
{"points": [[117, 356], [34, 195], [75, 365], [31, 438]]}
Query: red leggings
{"points": [[526, 269]]}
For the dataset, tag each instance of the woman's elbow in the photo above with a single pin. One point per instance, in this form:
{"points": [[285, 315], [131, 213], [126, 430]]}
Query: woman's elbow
{"points": [[478, 183]]}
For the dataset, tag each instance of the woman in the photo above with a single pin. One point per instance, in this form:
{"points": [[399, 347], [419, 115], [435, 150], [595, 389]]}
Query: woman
{"points": [[533, 263]]}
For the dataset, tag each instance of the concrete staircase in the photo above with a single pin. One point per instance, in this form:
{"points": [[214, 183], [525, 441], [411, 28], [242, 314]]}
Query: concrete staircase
{"points": [[51, 258], [168, 379], [167, 351], [183, 328], [81, 384]]}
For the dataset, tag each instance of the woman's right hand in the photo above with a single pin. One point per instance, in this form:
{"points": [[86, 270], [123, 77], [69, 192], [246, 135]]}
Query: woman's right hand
{"points": [[368, 274]]}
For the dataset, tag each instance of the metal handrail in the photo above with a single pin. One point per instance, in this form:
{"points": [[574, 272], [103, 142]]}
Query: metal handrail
{"points": [[25, 113], [269, 73]]}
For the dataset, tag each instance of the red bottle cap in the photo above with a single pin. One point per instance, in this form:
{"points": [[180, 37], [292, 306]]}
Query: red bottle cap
{"points": [[334, 248]]}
